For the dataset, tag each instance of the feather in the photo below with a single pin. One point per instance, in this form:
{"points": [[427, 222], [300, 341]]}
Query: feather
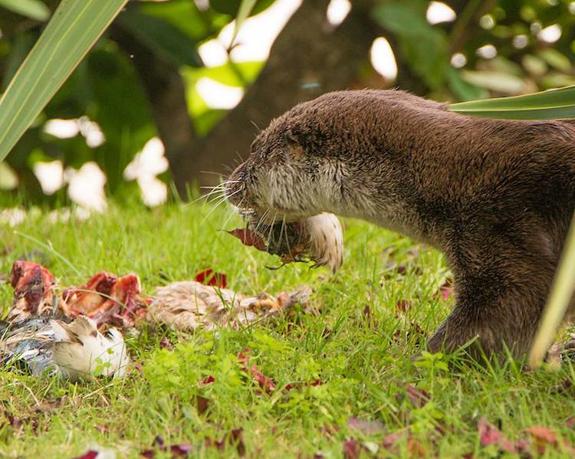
{"points": [[73, 350], [80, 350]]}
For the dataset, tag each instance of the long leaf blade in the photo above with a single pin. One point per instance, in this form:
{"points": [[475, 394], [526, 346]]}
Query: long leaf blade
{"points": [[550, 104], [72, 31], [558, 302]]}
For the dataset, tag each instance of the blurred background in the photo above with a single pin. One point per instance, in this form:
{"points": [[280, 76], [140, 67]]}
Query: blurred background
{"points": [[168, 100]]}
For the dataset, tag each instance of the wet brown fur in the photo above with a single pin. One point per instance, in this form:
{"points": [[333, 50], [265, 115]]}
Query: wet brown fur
{"points": [[496, 197]]}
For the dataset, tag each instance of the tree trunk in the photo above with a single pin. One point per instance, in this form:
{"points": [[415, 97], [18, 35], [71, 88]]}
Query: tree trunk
{"points": [[309, 57]]}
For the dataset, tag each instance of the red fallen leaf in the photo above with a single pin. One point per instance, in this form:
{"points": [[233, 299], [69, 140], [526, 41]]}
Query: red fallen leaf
{"points": [[390, 440], [237, 438], [210, 277], [249, 238], [488, 433], [181, 450], [351, 449], [165, 343], [202, 404], [158, 442], [570, 422], [403, 305], [148, 453], [208, 380], [543, 436], [91, 454], [233, 438], [491, 435], [265, 382], [365, 427], [417, 397], [415, 448]]}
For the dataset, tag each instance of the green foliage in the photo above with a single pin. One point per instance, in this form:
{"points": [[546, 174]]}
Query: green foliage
{"points": [[550, 104], [33, 9], [352, 339], [163, 38], [107, 88], [75, 27], [422, 45]]}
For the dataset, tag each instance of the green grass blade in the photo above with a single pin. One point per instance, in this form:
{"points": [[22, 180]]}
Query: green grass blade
{"points": [[34, 9], [72, 31], [558, 302], [550, 104]]}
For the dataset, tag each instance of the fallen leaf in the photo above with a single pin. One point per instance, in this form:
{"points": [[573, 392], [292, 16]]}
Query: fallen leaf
{"points": [[181, 450], [403, 305], [543, 437], [491, 435], [208, 380], [249, 238], [390, 440], [265, 382], [158, 442], [351, 449], [237, 439], [415, 448], [210, 277], [202, 404], [417, 397], [165, 343], [570, 422], [91, 454]]}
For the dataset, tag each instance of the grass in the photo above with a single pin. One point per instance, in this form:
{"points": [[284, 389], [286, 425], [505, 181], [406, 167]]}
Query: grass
{"points": [[358, 344]]}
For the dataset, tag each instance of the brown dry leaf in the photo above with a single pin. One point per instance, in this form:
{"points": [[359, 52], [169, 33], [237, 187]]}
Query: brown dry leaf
{"points": [[351, 449], [491, 435], [417, 397], [415, 448], [543, 437], [249, 238], [266, 383]]}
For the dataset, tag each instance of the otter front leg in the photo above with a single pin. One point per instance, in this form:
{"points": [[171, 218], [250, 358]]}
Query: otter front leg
{"points": [[499, 304]]}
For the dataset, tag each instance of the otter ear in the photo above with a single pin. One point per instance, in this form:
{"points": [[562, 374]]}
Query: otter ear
{"points": [[292, 136], [295, 147]]}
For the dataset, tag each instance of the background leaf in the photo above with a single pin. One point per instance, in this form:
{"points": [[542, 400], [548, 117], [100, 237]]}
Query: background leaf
{"points": [[34, 9], [550, 104], [162, 37], [74, 28]]}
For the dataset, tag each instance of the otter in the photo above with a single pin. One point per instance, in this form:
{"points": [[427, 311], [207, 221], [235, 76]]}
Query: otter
{"points": [[495, 196]]}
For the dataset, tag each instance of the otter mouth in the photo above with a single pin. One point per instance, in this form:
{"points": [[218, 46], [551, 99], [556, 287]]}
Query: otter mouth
{"points": [[316, 239]]}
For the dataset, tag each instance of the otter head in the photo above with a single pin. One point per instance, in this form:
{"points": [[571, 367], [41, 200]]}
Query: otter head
{"points": [[302, 164]]}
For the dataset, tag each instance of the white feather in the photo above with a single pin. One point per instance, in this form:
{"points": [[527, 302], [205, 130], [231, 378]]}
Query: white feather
{"points": [[80, 350]]}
